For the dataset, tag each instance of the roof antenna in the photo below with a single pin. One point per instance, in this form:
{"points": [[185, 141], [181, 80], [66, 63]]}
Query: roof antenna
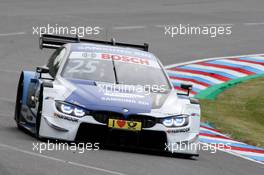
{"points": [[113, 41], [78, 38]]}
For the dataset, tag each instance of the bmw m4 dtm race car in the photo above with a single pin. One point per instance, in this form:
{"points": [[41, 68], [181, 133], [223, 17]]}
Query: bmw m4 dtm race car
{"points": [[108, 92]]}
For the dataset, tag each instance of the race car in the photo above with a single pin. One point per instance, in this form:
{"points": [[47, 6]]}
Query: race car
{"points": [[107, 92]]}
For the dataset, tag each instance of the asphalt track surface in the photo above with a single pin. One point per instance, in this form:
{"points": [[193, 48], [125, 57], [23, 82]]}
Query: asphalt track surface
{"points": [[136, 22]]}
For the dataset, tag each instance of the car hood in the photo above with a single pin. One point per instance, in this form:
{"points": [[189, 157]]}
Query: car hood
{"points": [[108, 97]]}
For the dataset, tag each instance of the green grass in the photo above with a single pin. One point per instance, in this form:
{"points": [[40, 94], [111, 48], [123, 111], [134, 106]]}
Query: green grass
{"points": [[239, 112]]}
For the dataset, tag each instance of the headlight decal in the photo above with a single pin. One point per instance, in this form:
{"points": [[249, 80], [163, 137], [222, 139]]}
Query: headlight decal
{"points": [[67, 109], [168, 122], [179, 121], [79, 112], [176, 121], [71, 109]]}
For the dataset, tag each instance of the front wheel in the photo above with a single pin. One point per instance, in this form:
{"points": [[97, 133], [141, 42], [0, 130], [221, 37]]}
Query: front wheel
{"points": [[39, 112], [186, 156], [19, 101]]}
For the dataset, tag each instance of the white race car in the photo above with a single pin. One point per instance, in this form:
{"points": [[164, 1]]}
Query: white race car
{"points": [[107, 92]]}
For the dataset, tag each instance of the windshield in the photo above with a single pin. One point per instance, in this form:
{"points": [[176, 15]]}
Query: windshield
{"points": [[133, 74], [129, 70], [88, 68]]}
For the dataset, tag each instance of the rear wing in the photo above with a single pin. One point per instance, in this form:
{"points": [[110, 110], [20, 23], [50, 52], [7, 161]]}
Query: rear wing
{"points": [[56, 41]]}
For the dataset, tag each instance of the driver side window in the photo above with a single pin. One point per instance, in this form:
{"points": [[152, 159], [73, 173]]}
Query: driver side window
{"points": [[55, 61]]}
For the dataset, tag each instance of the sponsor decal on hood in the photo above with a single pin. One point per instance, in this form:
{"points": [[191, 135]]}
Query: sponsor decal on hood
{"points": [[99, 97]]}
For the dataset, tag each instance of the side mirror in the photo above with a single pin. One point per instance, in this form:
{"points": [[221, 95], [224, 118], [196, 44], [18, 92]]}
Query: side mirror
{"points": [[42, 70], [187, 87]]}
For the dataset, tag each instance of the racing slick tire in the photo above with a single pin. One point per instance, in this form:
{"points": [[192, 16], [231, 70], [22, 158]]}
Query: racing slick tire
{"points": [[19, 101], [39, 113], [185, 156]]}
